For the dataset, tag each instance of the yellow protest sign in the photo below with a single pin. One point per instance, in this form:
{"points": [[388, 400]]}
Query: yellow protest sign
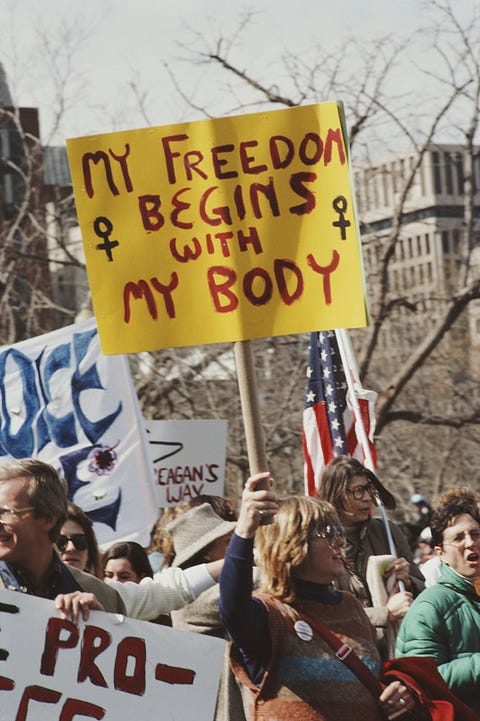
{"points": [[219, 230]]}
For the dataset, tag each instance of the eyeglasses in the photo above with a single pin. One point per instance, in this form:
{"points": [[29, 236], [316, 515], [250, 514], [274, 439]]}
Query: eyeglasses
{"points": [[79, 540], [331, 533], [359, 491], [11, 514], [459, 539]]}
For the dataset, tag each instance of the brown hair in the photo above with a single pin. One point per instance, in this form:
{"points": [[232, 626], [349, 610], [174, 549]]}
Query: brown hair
{"points": [[47, 492], [451, 503], [282, 546], [337, 475], [94, 561], [133, 552]]}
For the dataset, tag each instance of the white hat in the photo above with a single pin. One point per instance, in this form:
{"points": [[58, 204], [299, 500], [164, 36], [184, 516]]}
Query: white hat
{"points": [[194, 530]]}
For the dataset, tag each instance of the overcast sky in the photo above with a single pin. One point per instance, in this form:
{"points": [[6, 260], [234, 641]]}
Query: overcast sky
{"points": [[122, 39]]}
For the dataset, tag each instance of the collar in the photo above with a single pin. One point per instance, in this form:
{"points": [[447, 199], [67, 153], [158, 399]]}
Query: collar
{"points": [[473, 583], [52, 581], [357, 531], [322, 592]]}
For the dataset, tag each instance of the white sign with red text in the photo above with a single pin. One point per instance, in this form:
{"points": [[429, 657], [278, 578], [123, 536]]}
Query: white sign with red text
{"points": [[111, 667], [188, 459]]}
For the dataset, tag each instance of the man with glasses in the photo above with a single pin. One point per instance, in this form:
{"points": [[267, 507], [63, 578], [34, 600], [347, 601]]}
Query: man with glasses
{"points": [[444, 621], [33, 508]]}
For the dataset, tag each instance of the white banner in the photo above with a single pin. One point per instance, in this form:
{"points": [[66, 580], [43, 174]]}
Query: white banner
{"points": [[63, 401], [188, 459], [111, 668]]}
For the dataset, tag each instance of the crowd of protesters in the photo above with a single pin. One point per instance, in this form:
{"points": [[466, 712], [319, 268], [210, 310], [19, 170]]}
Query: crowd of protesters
{"points": [[302, 578]]}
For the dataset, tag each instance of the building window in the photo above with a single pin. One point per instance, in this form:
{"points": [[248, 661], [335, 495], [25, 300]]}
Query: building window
{"points": [[448, 173], [445, 243], [459, 169], [437, 176]]}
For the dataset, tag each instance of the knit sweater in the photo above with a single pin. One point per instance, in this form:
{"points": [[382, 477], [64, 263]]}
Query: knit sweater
{"points": [[305, 681], [283, 676]]}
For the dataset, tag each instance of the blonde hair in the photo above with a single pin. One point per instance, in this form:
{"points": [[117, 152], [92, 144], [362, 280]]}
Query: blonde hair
{"points": [[282, 546]]}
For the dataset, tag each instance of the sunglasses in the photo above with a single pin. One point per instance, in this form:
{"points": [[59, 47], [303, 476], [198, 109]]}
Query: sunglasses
{"points": [[331, 533], [79, 540]]}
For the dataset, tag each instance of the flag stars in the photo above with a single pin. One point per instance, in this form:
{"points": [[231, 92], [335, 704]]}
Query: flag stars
{"points": [[310, 397]]}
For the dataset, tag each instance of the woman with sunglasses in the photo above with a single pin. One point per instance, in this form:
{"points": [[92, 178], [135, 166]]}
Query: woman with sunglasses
{"points": [[77, 543], [353, 489], [285, 667]]}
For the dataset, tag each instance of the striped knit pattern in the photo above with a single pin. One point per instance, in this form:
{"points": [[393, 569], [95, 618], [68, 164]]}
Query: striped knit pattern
{"points": [[305, 681]]}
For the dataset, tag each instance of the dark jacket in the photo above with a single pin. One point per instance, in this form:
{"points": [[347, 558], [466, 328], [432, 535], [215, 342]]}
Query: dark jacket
{"points": [[372, 541], [65, 579]]}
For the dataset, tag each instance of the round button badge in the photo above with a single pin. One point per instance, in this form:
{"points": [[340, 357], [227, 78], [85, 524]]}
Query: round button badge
{"points": [[303, 630]]}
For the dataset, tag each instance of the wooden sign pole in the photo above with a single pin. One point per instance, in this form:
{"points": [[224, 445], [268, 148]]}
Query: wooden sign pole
{"points": [[247, 385]]}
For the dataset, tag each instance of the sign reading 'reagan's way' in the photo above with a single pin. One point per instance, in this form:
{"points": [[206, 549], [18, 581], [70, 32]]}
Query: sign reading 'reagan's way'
{"points": [[220, 230]]}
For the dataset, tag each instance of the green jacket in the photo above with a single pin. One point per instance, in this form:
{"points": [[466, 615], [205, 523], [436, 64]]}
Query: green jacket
{"points": [[444, 622]]}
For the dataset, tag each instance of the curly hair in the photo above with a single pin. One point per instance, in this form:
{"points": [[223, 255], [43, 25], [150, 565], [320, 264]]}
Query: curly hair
{"points": [[451, 503], [282, 546]]}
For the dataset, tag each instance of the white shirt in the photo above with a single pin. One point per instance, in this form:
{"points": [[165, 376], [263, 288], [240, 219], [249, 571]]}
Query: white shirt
{"points": [[168, 590]]}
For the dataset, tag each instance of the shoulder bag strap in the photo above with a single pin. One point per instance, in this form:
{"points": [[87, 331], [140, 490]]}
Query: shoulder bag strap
{"points": [[347, 655]]}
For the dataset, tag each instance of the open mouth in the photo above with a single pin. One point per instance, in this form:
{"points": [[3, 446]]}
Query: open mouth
{"points": [[472, 558]]}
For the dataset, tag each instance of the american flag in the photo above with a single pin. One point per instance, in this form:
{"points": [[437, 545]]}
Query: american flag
{"points": [[328, 421]]}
